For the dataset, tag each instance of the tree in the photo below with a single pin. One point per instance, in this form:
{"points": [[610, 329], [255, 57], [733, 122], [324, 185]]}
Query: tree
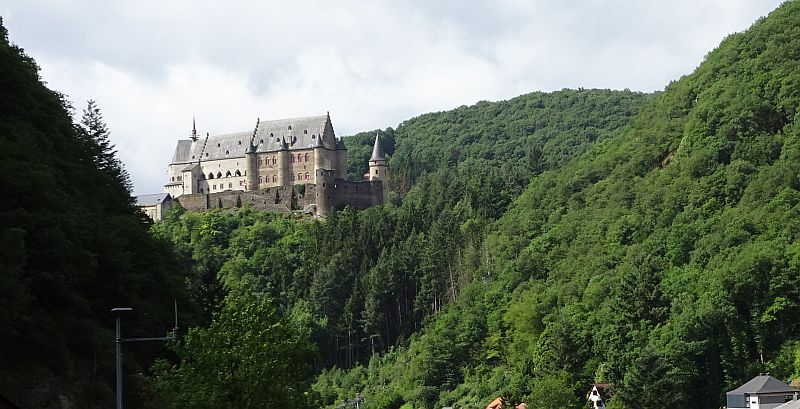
{"points": [[250, 357], [95, 132]]}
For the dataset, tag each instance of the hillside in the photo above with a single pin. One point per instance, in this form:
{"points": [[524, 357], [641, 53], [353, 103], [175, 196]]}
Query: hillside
{"points": [[664, 260], [72, 246]]}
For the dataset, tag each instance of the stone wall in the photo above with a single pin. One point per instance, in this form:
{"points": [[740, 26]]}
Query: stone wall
{"points": [[283, 199]]}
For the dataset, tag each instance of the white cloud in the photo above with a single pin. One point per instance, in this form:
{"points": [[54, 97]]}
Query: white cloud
{"points": [[152, 64]]}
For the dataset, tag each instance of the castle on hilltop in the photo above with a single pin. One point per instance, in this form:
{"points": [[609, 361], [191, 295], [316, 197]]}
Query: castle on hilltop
{"points": [[282, 165]]}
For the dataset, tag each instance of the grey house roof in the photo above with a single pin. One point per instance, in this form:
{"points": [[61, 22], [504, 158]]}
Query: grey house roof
{"points": [[152, 200], [764, 384], [269, 136], [377, 149], [792, 404]]}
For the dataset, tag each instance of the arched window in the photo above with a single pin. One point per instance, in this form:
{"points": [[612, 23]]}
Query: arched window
{"points": [[306, 157], [292, 158], [260, 179], [238, 173], [274, 178], [299, 176], [228, 174], [299, 158], [211, 176], [305, 131], [290, 127], [292, 177], [274, 161], [306, 175], [219, 175]]}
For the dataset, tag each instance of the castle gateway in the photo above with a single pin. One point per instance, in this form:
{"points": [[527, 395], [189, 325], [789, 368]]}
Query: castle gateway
{"points": [[281, 165]]}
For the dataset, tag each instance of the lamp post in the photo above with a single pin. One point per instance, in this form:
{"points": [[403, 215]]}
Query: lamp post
{"points": [[118, 313]]}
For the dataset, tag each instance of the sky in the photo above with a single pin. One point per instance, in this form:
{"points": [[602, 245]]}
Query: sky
{"points": [[153, 65]]}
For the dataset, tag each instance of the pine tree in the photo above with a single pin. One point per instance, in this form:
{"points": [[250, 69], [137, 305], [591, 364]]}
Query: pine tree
{"points": [[95, 131]]}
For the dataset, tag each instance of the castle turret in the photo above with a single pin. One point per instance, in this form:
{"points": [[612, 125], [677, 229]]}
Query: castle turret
{"points": [[251, 161], [319, 158], [341, 159], [379, 168]]}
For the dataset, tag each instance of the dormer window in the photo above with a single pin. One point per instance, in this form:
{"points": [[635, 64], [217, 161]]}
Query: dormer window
{"points": [[271, 135], [218, 145], [240, 142], [290, 127], [227, 152], [305, 132], [260, 141], [313, 136]]}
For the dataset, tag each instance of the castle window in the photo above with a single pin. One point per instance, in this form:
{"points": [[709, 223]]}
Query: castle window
{"points": [[271, 135], [259, 162], [273, 160], [218, 145], [192, 156], [299, 158], [230, 185], [274, 178], [215, 186], [228, 174], [306, 175], [173, 178], [211, 176], [290, 127], [306, 157], [206, 154], [201, 190], [238, 173], [240, 142], [299, 176], [292, 177], [219, 175], [179, 178], [313, 136], [260, 179], [227, 152], [376, 171], [260, 141], [305, 132]]}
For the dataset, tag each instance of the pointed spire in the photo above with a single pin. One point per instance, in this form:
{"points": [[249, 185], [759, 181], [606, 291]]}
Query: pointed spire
{"points": [[377, 149], [194, 129]]}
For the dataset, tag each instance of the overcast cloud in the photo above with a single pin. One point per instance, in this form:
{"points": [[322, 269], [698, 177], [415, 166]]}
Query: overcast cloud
{"points": [[152, 64]]}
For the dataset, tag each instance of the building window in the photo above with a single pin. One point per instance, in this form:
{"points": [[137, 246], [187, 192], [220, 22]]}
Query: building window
{"points": [[299, 158], [211, 176], [173, 178], [260, 179], [261, 141], [201, 190], [299, 176], [305, 131], [215, 187], [306, 157], [240, 142], [238, 173], [293, 177], [230, 185], [274, 161], [306, 175], [290, 127], [259, 162], [206, 154], [227, 152], [292, 158], [274, 178], [179, 178], [376, 171], [219, 175]]}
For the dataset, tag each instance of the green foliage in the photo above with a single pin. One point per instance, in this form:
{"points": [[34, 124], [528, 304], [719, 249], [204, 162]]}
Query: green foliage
{"points": [[249, 357], [72, 247]]}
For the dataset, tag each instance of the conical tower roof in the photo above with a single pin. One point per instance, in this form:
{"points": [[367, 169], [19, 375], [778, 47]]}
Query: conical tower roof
{"points": [[377, 149]]}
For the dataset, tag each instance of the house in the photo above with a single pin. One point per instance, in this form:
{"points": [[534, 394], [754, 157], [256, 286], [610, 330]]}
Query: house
{"points": [[599, 395], [761, 392], [498, 404], [792, 404], [154, 205]]}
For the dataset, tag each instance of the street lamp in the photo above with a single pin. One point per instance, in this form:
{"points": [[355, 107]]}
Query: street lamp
{"points": [[118, 313]]}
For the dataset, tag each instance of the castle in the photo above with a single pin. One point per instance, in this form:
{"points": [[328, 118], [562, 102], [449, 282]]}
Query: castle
{"points": [[282, 165]]}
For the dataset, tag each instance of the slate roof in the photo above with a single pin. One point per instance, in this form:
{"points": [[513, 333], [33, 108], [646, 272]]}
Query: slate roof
{"points": [[182, 151], [764, 384], [269, 136], [151, 200], [792, 404], [190, 167], [377, 149]]}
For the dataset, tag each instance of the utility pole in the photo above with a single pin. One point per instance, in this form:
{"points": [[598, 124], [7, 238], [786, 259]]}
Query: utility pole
{"points": [[118, 313]]}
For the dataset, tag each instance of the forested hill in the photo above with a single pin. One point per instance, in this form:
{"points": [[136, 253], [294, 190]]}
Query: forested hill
{"points": [[664, 260], [72, 247]]}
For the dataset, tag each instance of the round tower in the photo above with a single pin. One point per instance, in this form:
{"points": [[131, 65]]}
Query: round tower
{"points": [[251, 162], [319, 159], [379, 168]]}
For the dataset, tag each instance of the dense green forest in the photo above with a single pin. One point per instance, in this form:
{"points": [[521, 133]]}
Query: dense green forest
{"points": [[530, 248], [72, 246]]}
